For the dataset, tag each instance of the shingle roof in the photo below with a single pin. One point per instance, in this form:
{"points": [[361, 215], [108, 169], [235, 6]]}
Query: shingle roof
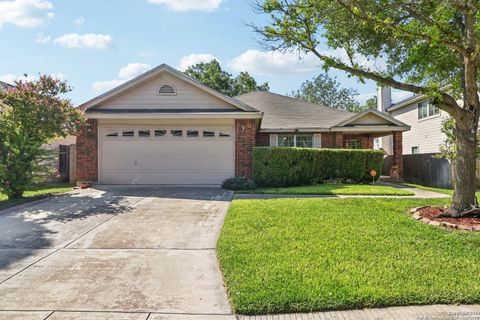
{"points": [[4, 85], [282, 112]]}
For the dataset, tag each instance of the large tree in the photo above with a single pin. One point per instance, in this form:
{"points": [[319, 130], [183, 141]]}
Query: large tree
{"points": [[32, 114], [423, 46], [326, 90], [212, 75]]}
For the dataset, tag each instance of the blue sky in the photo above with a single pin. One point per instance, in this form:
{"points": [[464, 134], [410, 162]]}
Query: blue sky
{"points": [[96, 45]]}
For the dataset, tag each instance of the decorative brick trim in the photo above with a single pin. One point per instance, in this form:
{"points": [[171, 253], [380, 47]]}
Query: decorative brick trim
{"points": [[87, 152], [244, 142]]}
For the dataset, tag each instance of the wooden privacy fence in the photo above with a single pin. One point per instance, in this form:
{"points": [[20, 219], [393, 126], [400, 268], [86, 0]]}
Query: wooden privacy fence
{"points": [[427, 170], [66, 163]]}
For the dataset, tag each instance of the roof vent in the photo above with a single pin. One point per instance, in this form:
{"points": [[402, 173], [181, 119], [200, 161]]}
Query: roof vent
{"points": [[167, 90]]}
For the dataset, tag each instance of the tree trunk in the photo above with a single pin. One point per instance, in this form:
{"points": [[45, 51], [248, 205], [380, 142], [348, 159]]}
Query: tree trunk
{"points": [[464, 166]]}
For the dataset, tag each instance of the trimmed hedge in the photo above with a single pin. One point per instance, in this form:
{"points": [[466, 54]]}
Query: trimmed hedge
{"points": [[284, 167]]}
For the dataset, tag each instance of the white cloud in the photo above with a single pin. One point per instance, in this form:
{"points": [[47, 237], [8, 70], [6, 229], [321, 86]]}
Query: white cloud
{"points": [[274, 62], [88, 41], [195, 58], [132, 70], [11, 78], [79, 21], [190, 5], [398, 95], [25, 13], [103, 86], [363, 97], [126, 73], [43, 39]]}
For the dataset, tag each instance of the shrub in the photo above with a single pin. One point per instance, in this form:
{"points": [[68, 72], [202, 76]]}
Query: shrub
{"points": [[283, 167], [238, 183]]}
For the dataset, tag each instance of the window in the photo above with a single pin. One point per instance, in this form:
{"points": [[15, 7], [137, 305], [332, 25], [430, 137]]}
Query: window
{"points": [[176, 133], [223, 134], [286, 140], [160, 133], [291, 140], [192, 133], [353, 144], [113, 134], [304, 141], [128, 134], [415, 150], [167, 90], [426, 109], [144, 133], [208, 134]]}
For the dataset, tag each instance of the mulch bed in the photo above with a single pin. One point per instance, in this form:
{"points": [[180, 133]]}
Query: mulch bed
{"points": [[430, 215]]}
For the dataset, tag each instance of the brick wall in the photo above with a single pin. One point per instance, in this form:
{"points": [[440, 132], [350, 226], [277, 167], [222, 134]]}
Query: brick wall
{"points": [[398, 151], [328, 139], [339, 140], [244, 143], [262, 140], [87, 152]]}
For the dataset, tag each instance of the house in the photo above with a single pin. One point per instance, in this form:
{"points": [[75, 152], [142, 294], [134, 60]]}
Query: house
{"points": [[424, 119], [164, 127], [5, 86]]}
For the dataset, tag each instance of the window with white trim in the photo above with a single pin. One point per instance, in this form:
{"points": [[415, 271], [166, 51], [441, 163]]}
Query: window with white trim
{"points": [[113, 134], [208, 134], [129, 133], [295, 140], [353, 144], [426, 110], [192, 133], [160, 133]]}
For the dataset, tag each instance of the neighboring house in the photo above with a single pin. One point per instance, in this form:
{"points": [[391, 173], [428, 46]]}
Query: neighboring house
{"points": [[5, 86], [424, 119], [166, 128]]}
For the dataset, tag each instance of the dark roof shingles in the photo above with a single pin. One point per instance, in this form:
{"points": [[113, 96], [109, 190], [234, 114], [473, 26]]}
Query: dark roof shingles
{"points": [[282, 112]]}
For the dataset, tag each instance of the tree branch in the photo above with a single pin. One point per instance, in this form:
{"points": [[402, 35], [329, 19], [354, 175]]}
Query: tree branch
{"points": [[397, 28]]}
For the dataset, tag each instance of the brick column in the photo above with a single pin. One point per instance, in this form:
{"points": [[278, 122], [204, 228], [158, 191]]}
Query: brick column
{"points": [[397, 162], [339, 140], [244, 143], [87, 152]]}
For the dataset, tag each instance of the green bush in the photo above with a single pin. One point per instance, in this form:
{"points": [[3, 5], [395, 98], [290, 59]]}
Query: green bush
{"points": [[238, 183], [283, 167]]}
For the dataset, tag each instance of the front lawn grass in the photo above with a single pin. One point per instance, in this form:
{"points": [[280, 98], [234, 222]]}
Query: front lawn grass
{"points": [[300, 255], [337, 189], [35, 192]]}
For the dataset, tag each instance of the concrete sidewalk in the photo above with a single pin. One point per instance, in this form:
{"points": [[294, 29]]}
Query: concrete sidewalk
{"points": [[432, 312], [417, 193]]}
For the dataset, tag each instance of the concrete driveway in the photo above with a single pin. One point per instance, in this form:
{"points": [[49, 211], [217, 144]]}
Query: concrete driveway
{"points": [[114, 252]]}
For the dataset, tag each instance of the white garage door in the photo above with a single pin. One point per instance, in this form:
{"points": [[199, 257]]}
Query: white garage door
{"points": [[166, 155]]}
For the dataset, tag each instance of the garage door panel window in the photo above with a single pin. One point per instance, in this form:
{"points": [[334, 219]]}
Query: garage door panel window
{"points": [[176, 133], [208, 134], [192, 133], [144, 133], [112, 134], [224, 135], [160, 133], [128, 133]]}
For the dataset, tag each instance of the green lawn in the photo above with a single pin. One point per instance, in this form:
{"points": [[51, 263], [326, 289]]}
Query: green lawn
{"points": [[33, 193], [439, 190], [337, 189], [296, 255]]}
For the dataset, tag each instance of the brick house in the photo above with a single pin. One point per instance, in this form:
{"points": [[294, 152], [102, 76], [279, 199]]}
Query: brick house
{"points": [[166, 128]]}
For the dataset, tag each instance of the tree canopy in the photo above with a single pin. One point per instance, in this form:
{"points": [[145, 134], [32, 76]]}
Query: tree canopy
{"points": [[212, 75], [326, 90], [423, 46], [32, 114]]}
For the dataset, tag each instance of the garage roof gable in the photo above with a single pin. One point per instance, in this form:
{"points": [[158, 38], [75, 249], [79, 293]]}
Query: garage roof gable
{"points": [[149, 75]]}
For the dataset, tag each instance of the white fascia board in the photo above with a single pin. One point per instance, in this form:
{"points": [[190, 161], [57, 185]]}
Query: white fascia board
{"points": [[202, 115]]}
